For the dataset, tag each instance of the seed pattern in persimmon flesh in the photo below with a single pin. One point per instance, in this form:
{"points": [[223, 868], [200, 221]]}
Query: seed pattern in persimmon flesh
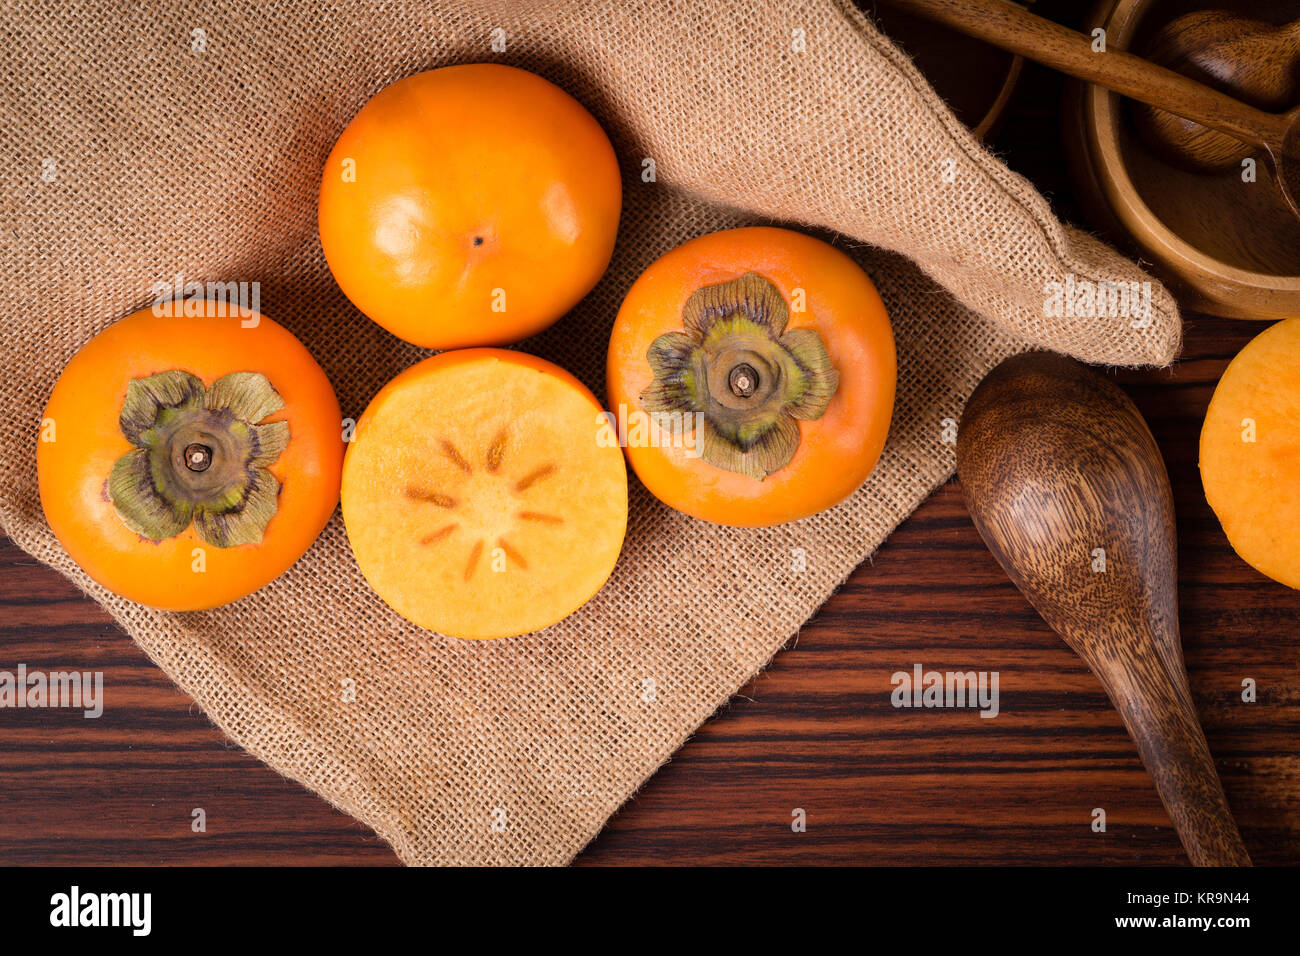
{"points": [[485, 494], [494, 460]]}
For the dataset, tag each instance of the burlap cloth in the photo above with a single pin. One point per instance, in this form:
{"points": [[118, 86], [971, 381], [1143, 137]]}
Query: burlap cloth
{"points": [[168, 158]]}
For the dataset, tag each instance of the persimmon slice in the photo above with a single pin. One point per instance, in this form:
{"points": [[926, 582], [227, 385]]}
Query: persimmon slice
{"points": [[484, 494], [1250, 452]]}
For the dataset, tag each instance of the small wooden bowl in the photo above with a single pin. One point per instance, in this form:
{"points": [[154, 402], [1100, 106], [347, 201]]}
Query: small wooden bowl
{"points": [[975, 80], [1229, 247]]}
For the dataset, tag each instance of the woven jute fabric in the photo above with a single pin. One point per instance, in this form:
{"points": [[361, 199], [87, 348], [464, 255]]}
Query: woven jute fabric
{"points": [[142, 141]]}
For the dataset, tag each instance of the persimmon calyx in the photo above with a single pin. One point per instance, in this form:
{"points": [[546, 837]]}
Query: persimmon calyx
{"points": [[200, 457], [750, 378]]}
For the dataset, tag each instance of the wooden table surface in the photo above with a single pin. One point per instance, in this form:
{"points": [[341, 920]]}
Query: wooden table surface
{"points": [[816, 731]]}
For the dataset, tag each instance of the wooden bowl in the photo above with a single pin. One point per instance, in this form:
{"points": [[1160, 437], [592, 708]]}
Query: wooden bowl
{"points": [[1228, 247], [975, 80]]}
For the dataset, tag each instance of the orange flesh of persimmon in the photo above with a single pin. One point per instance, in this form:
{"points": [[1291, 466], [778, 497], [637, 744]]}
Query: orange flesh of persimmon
{"points": [[1250, 453], [484, 494]]}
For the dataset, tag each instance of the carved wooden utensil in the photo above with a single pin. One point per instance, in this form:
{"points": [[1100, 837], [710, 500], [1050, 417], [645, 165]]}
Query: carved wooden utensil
{"points": [[1256, 62], [1056, 463], [1013, 28]]}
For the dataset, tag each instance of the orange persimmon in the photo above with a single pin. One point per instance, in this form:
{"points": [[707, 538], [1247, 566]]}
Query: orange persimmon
{"points": [[469, 205], [186, 460], [753, 374], [484, 494], [1250, 452]]}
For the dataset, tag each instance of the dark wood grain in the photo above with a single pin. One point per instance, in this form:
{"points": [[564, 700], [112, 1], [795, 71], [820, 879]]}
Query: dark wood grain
{"points": [[896, 786], [1068, 489], [121, 789], [815, 731]]}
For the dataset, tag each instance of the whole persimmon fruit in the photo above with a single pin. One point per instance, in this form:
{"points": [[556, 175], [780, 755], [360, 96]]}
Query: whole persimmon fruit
{"points": [[1250, 452], [752, 372], [186, 460], [469, 205], [484, 494]]}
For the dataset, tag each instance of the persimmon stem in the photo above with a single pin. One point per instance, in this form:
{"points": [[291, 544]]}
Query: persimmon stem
{"points": [[743, 380], [198, 457], [753, 379]]}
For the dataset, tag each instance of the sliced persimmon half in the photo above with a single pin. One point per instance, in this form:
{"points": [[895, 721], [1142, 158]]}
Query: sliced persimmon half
{"points": [[1250, 452], [484, 494]]}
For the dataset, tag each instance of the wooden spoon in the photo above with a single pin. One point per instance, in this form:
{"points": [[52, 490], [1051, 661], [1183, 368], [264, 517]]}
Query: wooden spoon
{"points": [[1253, 61], [1013, 28], [1061, 473]]}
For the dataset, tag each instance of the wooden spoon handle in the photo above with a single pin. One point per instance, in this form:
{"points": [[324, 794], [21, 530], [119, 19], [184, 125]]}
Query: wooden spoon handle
{"points": [[1161, 721], [1010, 27]]}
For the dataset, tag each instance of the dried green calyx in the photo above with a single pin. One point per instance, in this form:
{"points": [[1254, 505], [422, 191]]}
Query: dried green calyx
{"points": [[200, 457], [750, 379]]}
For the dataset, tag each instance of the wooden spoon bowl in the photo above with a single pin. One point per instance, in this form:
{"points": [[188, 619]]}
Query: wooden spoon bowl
{"points": [[1068, 489]]}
